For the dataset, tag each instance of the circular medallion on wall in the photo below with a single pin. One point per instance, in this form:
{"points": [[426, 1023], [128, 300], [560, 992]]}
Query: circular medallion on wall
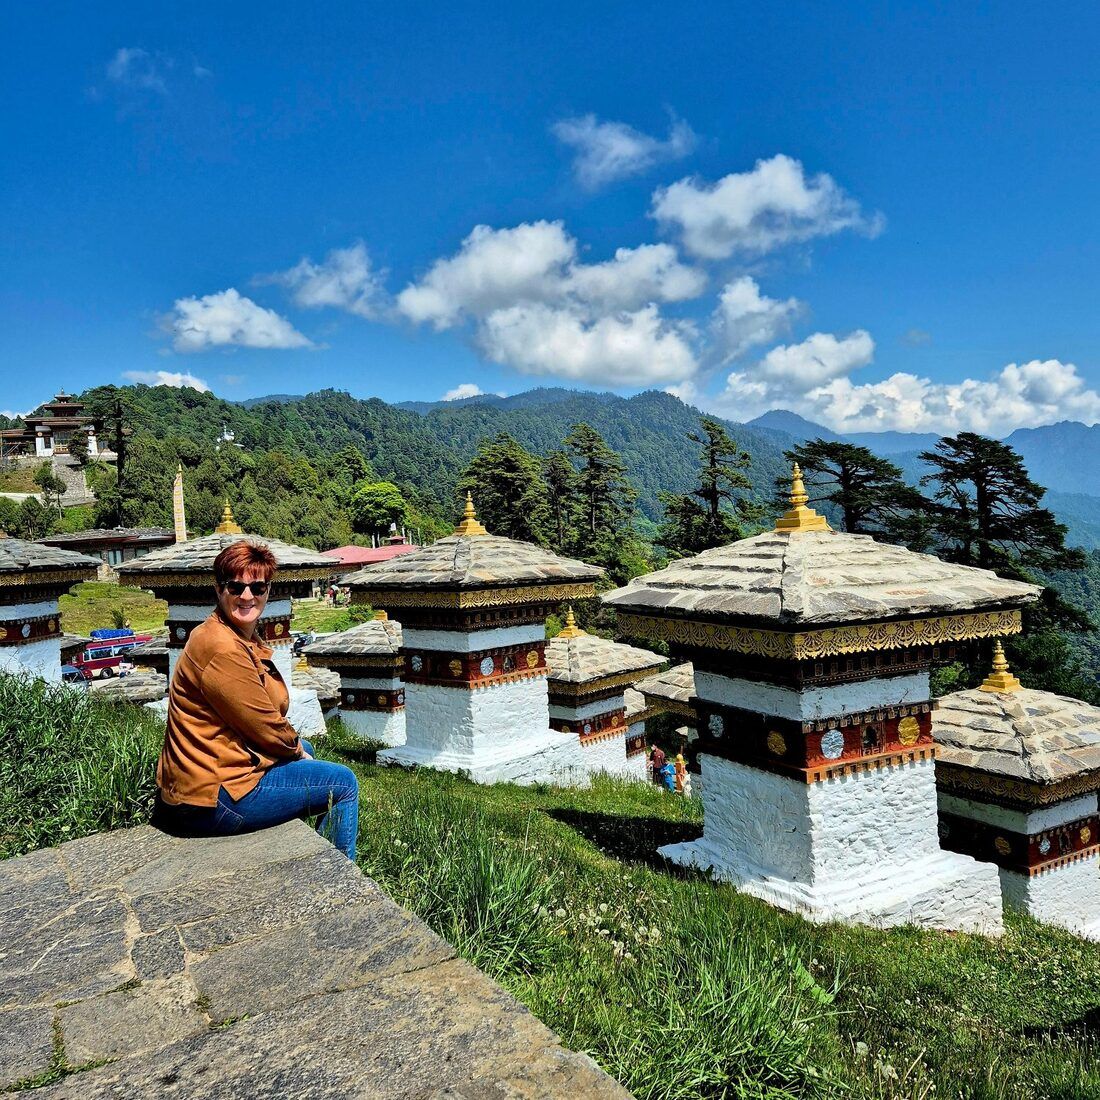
{"points": [[716, 724], [908, 731], [776, 743], [832, 744], [400, 697], [350, 697], [1085, 834], [279, 628], [455, 667], [417, 664], [616, 719], [486, 666], [25, 630], [588, 727], [1044, 846], [381, 700], [181, 633], [1003, 847], [53, 625], [532, 658]]}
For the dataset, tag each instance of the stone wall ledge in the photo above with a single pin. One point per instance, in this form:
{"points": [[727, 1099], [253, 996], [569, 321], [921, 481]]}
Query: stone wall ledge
{"points": [[138, 964]]}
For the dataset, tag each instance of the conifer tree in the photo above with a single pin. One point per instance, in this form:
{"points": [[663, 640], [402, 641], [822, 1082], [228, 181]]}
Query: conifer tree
{"points": [[508, 490], [605, 496], [561, 479], [868, 491]]}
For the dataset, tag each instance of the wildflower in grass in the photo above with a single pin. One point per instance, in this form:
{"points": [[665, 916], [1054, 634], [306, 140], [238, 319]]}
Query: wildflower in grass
{"points": [[559, 912]]}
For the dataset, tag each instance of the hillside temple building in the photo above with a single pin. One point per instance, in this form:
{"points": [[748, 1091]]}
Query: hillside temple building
{"points": [[370, 666], [812, 651], [50, 432], [587, 683], [32, 579], [1018, 772], [472, 608]]}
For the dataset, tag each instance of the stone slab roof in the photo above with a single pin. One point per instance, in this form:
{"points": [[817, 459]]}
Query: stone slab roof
{"points": [[140, 686], [585, 657], [479, 561], [321, 680], [150, 650], [674, 685], [378, 638], [253, 966], [196, 556], [100, 534], [1026, 734], [17, 556], [812, 577]]}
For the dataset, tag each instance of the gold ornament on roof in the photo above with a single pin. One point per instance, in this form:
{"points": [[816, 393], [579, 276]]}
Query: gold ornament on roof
{"points": [[799, 517], [469, 524], [570, 630], [381, 616], [1000, 679], [228, 525]]}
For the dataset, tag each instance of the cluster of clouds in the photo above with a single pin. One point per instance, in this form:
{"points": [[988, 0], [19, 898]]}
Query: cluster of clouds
{"points": [[678, 312], [134, 72]]}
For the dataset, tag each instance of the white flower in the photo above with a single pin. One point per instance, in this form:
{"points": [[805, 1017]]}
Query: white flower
{"points": [[559, 912], [603, 906]]}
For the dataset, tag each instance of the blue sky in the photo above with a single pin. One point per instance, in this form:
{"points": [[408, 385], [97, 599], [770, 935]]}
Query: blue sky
{"points": [[881, 216]]}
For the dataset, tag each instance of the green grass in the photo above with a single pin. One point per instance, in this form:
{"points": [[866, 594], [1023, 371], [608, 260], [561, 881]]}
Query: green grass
{"points": [[681, 988], [19, 479], [316, 615], [90, 606]]}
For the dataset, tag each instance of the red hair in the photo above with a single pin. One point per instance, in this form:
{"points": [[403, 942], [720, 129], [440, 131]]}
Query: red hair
{"points": [[244, 557]]}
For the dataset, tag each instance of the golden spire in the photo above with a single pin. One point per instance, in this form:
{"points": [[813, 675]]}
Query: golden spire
{"points": [[302, 664], [798, 517], [381, 616], [228, 525], [570, 630], [469, 524], [1000, 679]]}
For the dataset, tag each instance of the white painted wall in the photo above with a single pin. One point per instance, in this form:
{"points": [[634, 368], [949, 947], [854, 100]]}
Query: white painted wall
{"points": [[371, 683], [1067, 897], [589, 710], [607, 755], [829, 701], [1020, 821], [15, 612], [41, 659], [385, 726], [460, 641]]}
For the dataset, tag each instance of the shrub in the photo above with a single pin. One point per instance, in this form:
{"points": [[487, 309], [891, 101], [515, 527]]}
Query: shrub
{"points": [[71, 764]]}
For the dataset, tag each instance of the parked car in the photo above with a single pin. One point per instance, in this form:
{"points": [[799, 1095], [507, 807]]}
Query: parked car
{"points": [[70, 674]]}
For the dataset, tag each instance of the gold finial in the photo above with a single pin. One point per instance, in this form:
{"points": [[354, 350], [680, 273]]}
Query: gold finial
{"points": [[570, 630], [1000, 679], [469, 524], [302, 665], [179, 469], [228, 525], [381, 616], [798, 517]]}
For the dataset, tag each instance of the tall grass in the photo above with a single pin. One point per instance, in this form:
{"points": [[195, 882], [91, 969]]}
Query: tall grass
{"points": [[70, 765]]}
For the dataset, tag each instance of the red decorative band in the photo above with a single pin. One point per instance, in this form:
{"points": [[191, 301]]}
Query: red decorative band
{"points": [[602, 735], [835, 771], [17, 632], [1029, 854], [271, 632], [635, 744], [502, 665], [371, 699], [613, 722], [762, 740]]}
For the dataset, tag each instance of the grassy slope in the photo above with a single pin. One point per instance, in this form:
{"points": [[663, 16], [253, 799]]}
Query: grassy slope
{"points": [[679, 987], [88, 606]]}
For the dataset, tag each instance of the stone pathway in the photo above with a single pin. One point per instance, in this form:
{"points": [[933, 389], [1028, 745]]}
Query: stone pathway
{"points": [[262, 965]]}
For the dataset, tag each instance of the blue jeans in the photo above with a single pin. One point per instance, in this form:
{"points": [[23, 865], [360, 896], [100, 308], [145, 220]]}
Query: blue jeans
{"points": [[294, 788]]}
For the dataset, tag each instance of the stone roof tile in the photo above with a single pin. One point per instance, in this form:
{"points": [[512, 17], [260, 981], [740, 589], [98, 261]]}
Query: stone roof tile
{"points": [[676, 684], [377, 638], [586, 657], [20, 556], [197, 556]]}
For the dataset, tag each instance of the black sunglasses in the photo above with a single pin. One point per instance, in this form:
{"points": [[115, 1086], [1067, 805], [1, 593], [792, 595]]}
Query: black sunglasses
{"points": [[238, 588]]}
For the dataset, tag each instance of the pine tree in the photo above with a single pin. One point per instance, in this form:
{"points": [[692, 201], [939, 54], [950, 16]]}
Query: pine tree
{"points": [[605, 496], [868, 491], [508, 489], [697, 521], [561, 492]]}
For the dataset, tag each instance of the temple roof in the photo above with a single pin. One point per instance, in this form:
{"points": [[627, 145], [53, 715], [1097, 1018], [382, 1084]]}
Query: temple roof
{"points": [[195, 558], [378, 638], [19, 558], [1024, 734], [111, 534], [473, 561], [808, 577], [576, 657], [674, 685]]}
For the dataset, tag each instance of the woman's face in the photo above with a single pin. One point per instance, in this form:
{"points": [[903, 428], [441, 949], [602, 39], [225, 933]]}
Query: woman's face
{"points": [[243, 610]]}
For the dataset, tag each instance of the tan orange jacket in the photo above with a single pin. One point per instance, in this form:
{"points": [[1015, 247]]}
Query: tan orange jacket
{"points": [[226, 717]]}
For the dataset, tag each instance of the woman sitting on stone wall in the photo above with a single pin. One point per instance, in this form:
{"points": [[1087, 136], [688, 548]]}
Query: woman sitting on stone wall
{"points": [[231, 762]]}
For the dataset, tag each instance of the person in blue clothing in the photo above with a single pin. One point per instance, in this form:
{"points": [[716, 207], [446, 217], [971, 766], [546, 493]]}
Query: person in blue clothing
{"points": [[668, 775]]}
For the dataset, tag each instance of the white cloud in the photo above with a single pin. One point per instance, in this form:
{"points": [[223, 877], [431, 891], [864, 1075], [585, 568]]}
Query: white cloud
{"points": [[344, 280], [175, 379], [635, 277], [608, 151], [745, 318], [228, 319], [757, 211], [618, 349], [13, 415], [492, 269], [466, 389], [132, 67]]}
